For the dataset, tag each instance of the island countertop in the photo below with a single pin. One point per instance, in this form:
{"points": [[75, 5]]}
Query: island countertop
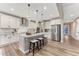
{"points": [[25, 39], [32, 34]]}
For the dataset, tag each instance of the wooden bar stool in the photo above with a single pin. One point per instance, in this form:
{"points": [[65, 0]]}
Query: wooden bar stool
{"points": [[45, 40], [33, 46], [41, 42]]}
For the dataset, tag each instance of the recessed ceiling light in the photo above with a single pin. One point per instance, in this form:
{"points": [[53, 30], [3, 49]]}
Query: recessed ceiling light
{"points": [[12, 9], [34, 12], [71, 15], [51, 15], [45, 7]]}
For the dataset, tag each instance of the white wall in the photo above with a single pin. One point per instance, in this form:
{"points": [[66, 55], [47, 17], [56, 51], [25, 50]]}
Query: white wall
{"points": [[73, 29], [67, 21], [57, 21], [77, 29]]}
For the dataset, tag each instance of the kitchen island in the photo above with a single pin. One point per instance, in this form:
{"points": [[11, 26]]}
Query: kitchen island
{"points": [[25, 39]]}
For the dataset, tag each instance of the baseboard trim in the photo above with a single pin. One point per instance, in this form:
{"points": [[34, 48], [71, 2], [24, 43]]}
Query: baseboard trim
{"points": [[74, 37]]}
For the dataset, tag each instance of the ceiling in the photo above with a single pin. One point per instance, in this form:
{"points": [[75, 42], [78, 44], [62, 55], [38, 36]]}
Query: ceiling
{"points": [[45, 10], [67, 4], [71, 11]]}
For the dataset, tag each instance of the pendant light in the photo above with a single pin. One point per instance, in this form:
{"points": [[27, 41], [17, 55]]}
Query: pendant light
{"points": [[28, 14]]}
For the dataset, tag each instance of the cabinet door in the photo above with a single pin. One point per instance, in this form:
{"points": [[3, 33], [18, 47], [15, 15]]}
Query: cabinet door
{"points": [[18, 22], [4, 39], [5, 21], [9, 21], [12, 22]]}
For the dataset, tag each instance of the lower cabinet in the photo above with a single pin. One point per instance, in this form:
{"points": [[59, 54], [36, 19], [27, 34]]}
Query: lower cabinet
{"points": [[3, 40], [7, 39]]}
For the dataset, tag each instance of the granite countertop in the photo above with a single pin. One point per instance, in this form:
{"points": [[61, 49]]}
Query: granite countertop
{"points": [[32, 34]]}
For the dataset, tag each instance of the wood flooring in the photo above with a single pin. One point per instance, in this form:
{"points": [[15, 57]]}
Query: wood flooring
{"points": [[70, 47]]}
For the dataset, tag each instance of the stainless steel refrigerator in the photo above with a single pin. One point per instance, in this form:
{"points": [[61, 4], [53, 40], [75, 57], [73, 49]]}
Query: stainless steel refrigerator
{"points": [[56, 33]]}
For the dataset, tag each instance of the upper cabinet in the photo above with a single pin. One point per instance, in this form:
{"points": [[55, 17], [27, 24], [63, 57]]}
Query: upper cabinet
{"points": [[4, 21], [18, 22], [7, 21]]}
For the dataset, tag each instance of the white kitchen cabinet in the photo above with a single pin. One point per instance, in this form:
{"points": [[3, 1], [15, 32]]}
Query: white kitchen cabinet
{"points": [[3, 39], [12, 22], [7, 21], [9, 38], [4, 21], [17, 22]]}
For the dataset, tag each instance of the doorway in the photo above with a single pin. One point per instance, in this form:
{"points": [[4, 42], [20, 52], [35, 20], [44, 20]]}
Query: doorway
{"points": [[67, 30]]}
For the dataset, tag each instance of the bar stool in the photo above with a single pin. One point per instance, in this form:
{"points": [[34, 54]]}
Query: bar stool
{"points": [[41, 42], [45, 40], [35, 45]]}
